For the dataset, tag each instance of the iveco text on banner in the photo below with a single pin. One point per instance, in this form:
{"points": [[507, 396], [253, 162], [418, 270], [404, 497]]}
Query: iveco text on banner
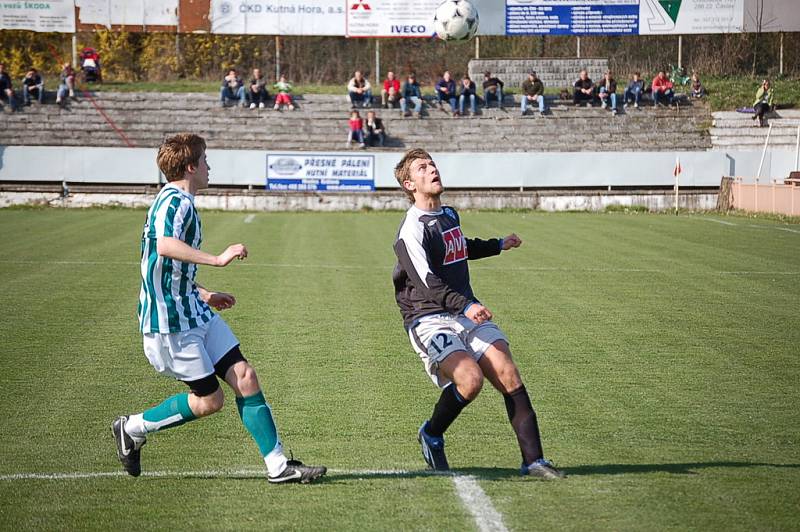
{"points": [[390, 18], [320, 172], [279, 17], [52, 15]]}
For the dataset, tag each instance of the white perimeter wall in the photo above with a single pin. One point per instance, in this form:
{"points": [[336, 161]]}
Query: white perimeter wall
{"points": [[459, 170]]}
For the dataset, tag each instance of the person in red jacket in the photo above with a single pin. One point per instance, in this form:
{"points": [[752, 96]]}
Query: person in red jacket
{"points": [[662, 89], [390, 94]]}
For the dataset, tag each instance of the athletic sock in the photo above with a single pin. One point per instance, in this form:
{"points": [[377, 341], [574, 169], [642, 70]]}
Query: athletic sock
{"points": [[257, 419], [173, 412], [523, 419], [446, 411]]}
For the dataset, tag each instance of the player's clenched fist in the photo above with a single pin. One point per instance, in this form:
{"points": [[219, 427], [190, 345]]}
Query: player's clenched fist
{"points": [[478, 313], [511, 241], [235, 251]]}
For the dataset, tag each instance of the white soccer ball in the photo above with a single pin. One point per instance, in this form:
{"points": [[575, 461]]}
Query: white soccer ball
{"points": [[455, 20]]}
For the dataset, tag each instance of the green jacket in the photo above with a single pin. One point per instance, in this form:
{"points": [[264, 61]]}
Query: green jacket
{"points": [[533, 88], [283, 87], [761, 97]]}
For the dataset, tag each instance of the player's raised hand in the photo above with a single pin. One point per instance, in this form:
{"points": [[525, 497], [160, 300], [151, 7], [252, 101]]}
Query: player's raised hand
{"points": [[221, 300], [511, 241], [478, 313], [235, 251]]}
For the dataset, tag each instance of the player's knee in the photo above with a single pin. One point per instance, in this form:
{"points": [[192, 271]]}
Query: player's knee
{"points": [[246, 379], [470, 385]]}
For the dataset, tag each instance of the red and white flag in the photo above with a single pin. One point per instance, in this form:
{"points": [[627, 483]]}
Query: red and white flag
{"points": [[677, 170]]}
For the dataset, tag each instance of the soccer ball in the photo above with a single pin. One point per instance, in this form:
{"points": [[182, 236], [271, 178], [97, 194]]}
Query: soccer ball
{"points": [[455, 20]]}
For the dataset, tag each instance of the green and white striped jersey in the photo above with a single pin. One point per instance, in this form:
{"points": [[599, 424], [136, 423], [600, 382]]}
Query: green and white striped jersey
{"points": [[168, 300]]}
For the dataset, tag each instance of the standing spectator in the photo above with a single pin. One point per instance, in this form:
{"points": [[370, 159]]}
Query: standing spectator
{"points": [[232, 89], [283, 94], [7, 88], [376, 133], [258, 90], [446, 90], [492, 89], [607, 91], [359, 90], [698, 91], [32, 84], [66, 84], [634, 90], [468, 92], [532, 91], [764, 101], [390, 94], [411, 93], [663, 89], [356, 129], [584, 89]]}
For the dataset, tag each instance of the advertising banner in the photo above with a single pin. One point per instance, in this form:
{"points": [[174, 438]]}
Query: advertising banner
{"points": [[320, 172], [278, 17], [623, 17], [128, 12], [390, 18], [53, 15]]}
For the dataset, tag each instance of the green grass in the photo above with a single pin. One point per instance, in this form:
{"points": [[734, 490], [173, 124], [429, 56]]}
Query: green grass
{"points": [[661, 353]]}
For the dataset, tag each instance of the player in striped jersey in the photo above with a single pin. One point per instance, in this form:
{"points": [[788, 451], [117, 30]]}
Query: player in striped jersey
{"points": [[448, 327], [183, 338]]}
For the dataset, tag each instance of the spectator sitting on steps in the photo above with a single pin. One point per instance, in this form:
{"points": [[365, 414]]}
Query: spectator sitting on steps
{"points": [[634, 91], [356, 129], [584, 90], [283, 94], [492, 90], [446, 90], [663, 89], [532, 91], [7, 88], [376, 133], [258, 90], [468, 92], [32, 84], [411, 94], [359, 90], [390, 94], [698, 91], [607, 92], [232, 89], [764, 102], [66, 85]]}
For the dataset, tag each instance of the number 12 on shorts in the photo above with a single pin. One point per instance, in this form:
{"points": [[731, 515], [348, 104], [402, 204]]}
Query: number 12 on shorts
{"points": [[444, 342]]}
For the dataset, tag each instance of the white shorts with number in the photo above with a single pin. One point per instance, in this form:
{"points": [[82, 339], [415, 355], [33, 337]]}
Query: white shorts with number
{"points": [[190, 355], [437, 336]]}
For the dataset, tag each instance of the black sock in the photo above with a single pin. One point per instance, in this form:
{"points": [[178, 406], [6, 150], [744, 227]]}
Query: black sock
{"points": [[446, 411], [523, 419]]}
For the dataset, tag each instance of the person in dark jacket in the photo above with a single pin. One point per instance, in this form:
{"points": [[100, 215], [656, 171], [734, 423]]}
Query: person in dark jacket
{"points": [[32, 85], [411, 94], [232, 88], [7, 88], [607, 92], [446, 90], [450, 330], [376, 134], [584, 90], [258, 94], [532, 91], [634, 91], [492, 89], [468, 92]]}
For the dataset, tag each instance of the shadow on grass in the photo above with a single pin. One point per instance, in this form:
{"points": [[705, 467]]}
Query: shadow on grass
{"points": [[689, 468]]}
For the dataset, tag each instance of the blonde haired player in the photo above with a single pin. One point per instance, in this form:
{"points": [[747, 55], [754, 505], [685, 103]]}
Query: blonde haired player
{"points": [[183, 338]]}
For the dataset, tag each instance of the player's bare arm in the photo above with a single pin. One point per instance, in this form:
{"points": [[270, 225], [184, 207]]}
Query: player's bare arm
{"points": [[218, 300], [179, 250]]}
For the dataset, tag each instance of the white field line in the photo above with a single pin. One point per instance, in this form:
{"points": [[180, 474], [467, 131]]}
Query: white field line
{"points": [[756, 226], [306, 266], [478, 504], [723, 222], [249, 218]]}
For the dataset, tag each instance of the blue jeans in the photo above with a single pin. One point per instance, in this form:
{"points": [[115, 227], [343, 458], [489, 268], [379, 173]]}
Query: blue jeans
{"points": [[441, 96], [659, 97], [472, 103], [26, 94], [365, 98], [635, 95], [525, 102], [610, 96], [415, 100], [489, 96], [356, 135], [226, 93]]}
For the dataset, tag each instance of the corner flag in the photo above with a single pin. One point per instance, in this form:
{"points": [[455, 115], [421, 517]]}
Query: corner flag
{"points": [[677, 170]]}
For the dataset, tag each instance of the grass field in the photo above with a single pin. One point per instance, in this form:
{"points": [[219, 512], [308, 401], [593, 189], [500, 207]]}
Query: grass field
{"points": [[661, 353]]}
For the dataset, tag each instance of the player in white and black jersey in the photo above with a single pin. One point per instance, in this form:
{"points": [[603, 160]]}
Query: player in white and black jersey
{"points": [[447, 325], [182, 336]]}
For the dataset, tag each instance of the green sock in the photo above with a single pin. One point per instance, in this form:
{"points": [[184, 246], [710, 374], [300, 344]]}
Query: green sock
{"points": [[257, 419], [173, 412]]}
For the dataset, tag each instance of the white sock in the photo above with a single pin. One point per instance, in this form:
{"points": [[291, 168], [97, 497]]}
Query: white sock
{"points": [[276, 461], [135, 428]]}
